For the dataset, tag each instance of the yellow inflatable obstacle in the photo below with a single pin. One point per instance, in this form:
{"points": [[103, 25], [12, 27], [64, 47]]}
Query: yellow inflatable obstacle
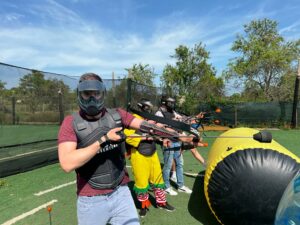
{"points": [[245, 178]]}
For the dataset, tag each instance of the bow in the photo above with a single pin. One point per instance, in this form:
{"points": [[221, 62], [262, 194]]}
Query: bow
{"points": [[262, 136], [177, 125]]}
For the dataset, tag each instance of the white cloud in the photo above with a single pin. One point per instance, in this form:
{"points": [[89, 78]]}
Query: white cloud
{"points": [[63, 41], [10, 17], [53, 11]]}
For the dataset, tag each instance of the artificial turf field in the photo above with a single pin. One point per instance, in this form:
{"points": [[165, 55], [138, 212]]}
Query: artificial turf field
{"points": [[17, 192]]}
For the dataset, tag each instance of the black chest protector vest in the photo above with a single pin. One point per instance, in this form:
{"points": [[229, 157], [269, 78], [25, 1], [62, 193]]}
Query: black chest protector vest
{"points": [[105, 170], [146, 148]]}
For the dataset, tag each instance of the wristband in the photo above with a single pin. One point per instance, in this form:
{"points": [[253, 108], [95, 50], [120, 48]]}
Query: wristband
{"points": [[103, 143], [106, 138]]}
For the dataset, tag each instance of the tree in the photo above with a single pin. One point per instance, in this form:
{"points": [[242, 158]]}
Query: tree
{"points": [[32, 87], [117, 95], [52, 89], [37, 91], [192, 79], [2, 86], [3, 91], [141, 74], [2, 94], [285, 89], [264, 58]]}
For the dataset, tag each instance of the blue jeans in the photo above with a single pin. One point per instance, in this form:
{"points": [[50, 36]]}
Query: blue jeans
{"points": [[169, 155], [116, 208]]}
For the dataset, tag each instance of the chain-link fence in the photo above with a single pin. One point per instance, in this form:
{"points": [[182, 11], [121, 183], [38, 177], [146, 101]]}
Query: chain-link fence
{"points": [[31, 97], [36, 97], [252, 114]]}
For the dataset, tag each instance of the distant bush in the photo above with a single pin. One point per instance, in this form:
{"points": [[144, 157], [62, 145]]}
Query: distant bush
{"points": [[39, 117], [5, 118]]}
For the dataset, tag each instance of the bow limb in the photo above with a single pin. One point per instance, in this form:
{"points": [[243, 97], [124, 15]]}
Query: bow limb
{"points": [[175, 125]]}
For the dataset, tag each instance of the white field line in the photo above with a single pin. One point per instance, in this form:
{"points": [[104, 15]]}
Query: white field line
{"points": [[55, 188], [193, 174], [29, 213], [73, 182], [28, 153]]}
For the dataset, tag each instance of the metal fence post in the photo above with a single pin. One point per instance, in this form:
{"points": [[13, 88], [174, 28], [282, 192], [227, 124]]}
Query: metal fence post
{"points": [[129, 83], [114, 90], [13, 103], [235, 116], [60, 107], [296, 92]]}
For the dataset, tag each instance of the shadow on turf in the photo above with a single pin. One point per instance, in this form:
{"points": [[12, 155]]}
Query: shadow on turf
{"points": [[197, 206], [136, 202]]}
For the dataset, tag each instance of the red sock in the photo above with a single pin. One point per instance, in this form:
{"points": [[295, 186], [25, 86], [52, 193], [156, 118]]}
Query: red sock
{"points": [[160, 196], [143, 198]]}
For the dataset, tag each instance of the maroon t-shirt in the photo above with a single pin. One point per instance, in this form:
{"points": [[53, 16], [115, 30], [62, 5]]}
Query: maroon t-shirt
{"points": [[67, 133]]}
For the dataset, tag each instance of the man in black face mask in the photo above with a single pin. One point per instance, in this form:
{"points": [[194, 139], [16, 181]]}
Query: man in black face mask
{"points": [[171, 150], [91, 143], [145, 105], [90, 94]]}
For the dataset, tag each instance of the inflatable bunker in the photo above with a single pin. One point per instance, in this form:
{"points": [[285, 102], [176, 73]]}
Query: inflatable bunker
{"points": [[245, 178]]}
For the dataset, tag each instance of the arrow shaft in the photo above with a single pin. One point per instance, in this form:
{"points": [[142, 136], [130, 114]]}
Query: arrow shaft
{"points": [[149, 136]]}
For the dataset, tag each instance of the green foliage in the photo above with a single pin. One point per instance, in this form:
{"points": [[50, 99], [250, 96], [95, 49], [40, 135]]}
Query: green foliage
{"points": [[286, 84], [265, 57], [3, 91], [40, 117], [35, 89], [2, 86], [31, 86], [5, 118], [117, 95], [141, 74], [192, 79]]}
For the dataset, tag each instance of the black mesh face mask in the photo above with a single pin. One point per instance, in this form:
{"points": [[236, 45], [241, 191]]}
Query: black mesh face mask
{"points": [[90, 94], [170, 104], [147, 109], [145, 106]]}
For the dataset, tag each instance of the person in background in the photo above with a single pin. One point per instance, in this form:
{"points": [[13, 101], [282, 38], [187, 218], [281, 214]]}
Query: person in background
{"points": [[91, 142], [194, 123], [171, 151], [146, 166]]}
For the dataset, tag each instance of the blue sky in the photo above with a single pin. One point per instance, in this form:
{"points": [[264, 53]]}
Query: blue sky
{"points": [[76, 36]]}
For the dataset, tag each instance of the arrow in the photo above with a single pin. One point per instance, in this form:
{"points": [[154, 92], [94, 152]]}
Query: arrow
{"points": [[262, 136]]}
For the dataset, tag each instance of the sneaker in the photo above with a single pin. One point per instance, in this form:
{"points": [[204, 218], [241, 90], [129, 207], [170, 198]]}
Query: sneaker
{"points": [[170, 191], [143, 212], [174, 179], [184, 189], [166, 206]]}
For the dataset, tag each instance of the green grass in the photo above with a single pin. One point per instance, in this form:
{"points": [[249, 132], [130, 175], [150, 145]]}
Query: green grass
{"points": [[17, 192], [290, 139], [17, 196], [20, 134]]}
